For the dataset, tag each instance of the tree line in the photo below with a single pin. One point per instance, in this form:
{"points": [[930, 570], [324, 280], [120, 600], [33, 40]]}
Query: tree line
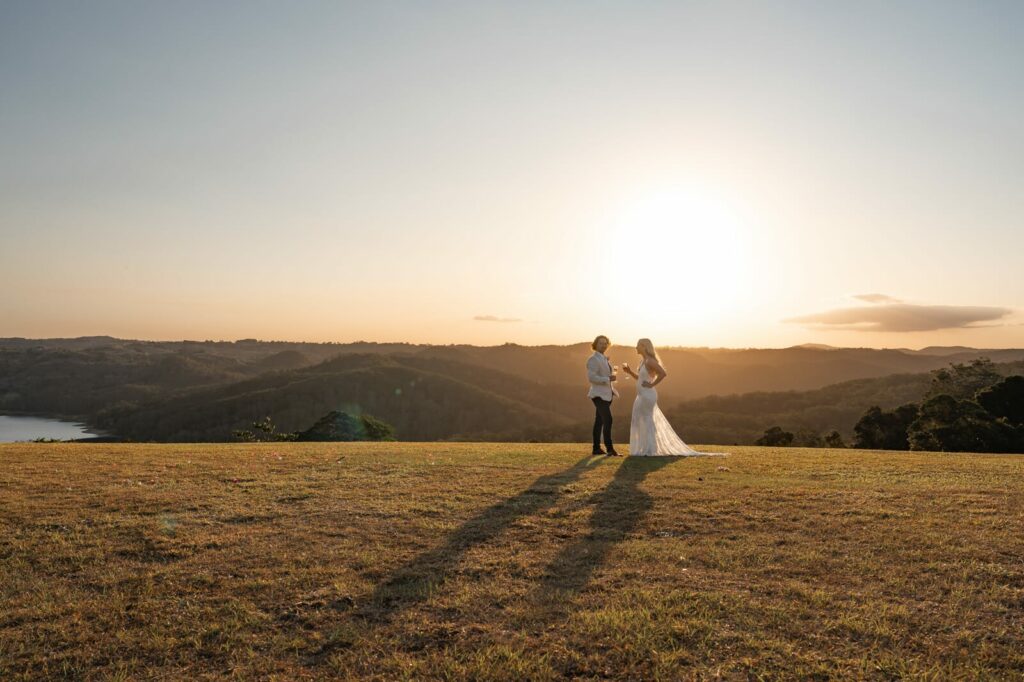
{"points": [[969, 407]]}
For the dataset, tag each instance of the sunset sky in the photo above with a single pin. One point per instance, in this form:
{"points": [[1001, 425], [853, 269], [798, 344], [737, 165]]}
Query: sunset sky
{"points": [[705, 174]]}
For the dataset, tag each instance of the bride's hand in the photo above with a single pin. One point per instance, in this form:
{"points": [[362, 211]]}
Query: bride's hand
{"points": [[647, 384], [625, 366]]}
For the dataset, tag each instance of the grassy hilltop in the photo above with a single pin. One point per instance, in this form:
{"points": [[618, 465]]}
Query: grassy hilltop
{"points": [[506, 561]]}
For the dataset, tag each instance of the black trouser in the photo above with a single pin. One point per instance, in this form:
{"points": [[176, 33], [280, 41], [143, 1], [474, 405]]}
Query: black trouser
{"points": [[603, 422]]}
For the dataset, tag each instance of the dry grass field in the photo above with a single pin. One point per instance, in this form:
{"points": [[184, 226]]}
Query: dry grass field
{"points": [[506, 561]]}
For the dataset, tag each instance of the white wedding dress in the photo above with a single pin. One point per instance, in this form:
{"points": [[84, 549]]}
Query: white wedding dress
{"points": [[650, 434]]}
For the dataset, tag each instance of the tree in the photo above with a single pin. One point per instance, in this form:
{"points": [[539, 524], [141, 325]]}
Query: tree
{"points": [[775, 437], [949, 425], [963, 381], [807, 438], [341, 426], [880, 430], [1005, 399], [377, 429], [262, 431], [833, 439]]}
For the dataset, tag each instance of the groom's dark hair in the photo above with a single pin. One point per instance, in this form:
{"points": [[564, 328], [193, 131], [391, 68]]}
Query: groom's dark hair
{"points": [[597, 338]]}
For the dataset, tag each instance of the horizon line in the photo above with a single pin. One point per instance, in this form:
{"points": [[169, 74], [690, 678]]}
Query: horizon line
{"points": [[809, 345]]}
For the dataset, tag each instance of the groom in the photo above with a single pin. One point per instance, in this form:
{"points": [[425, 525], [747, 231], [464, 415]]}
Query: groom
{"points": [[602, 392]]}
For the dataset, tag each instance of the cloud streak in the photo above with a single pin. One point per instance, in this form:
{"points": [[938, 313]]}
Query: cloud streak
{"points": [[877, 298], [902, 317], [492, 318]]}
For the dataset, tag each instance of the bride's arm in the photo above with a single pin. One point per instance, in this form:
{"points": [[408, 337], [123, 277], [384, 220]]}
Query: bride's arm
{"points": [[627, 370], [654, 366]]}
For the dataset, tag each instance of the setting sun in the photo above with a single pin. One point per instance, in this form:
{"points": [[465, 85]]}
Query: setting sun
{"points": [[690, 255]]}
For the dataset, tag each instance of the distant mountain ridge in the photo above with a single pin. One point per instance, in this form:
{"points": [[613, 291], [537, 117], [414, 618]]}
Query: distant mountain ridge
{"points": [[125, 381]]}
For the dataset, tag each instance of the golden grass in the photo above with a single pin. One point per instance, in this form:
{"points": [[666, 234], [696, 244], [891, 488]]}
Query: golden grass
{"points": [[506, 561]]}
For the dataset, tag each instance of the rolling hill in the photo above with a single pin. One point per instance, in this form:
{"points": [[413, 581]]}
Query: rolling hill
{"points": [[425, 399], [203, 390]]}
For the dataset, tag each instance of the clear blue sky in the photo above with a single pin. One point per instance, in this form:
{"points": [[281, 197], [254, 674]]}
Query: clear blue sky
{"points": [[719, 173]]}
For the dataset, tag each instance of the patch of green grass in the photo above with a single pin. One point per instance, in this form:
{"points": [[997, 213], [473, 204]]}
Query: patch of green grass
{"points": [[506, 561]]}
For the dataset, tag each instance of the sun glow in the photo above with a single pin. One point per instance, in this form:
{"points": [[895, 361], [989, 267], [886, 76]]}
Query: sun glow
{"points": [[690, 250]]}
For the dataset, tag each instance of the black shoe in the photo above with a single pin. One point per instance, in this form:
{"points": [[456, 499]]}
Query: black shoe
{"points": [[598, 451], [611, 453]]}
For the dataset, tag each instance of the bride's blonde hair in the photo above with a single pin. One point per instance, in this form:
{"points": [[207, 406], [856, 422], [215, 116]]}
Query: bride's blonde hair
{"points": [[648, 349]]}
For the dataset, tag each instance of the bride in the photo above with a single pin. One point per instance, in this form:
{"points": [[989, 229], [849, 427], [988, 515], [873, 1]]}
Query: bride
{"points": [[650, 434]]}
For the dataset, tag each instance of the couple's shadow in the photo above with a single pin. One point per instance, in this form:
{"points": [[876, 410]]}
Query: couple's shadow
{"points": [[618, 510]]}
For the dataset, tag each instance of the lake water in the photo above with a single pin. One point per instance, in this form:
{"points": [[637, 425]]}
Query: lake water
{"points": [[29, 428]]}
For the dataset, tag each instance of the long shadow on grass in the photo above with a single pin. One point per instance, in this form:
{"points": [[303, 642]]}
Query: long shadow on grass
{"points": [[416, 580], [618, 511]]}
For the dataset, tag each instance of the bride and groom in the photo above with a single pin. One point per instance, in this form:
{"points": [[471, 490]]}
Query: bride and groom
{"points": [[650, 434]]}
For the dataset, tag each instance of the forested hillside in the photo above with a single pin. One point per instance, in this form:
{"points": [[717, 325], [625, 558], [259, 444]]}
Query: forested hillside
{"points": [[193, 390]]}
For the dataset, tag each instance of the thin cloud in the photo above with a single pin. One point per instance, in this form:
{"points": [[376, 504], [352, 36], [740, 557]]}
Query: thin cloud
{"points": [[492, 318], [877, 298], [903, 317]]}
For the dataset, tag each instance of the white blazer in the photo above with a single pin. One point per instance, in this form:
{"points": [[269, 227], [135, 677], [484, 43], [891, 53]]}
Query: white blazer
{"points": [[599, 372]]}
